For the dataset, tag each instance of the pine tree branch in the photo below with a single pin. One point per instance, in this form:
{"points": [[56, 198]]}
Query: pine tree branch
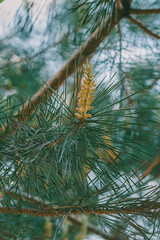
{"points": [[156, 161], [146, 30], [77, 59], [36, 202], [53, 212], [144, 11], [145, 206]]}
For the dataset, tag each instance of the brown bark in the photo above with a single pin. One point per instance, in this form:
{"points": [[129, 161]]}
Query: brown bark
{"points": [[153, 164], [76, 60], [144, 11], [140, 25], [36, 202], [53, 212], [119, 5]]}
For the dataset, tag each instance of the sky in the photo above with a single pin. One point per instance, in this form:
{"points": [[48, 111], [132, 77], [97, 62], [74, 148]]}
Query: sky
{"points": [[7, 11]]}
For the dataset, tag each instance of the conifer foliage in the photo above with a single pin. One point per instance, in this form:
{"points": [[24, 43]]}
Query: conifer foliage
{"points": [[77, 160], [53, 165]]}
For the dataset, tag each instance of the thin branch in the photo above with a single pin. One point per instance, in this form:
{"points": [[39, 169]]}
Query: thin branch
{"points": [[146, 30], [90, 228], [144, 92], [149, 169], [36, 201], [77, 59], [144, 11], [130, 100], [145, 206], [29, 58], [153, 83], [120, 50], [119, 5], [44, 204], [53, 212]]}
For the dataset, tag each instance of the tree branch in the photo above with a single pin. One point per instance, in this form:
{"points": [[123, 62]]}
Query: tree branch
{"points": [[36, 201], [25, 60], [149, 169], [53, 212], [44, 204], [144, 11], [90, 228], [77, 59], [144, 92], [119, 5], [140, 25]]}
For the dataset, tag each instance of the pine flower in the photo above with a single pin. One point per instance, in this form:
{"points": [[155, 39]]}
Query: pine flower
{"points": [[86, 96]]}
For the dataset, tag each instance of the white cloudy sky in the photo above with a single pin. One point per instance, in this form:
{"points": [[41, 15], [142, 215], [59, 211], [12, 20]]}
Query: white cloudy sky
{"points": [[7, 11]]}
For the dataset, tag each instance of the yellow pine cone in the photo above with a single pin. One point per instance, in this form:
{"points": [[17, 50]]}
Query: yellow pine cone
{"points": [[86, 96]]}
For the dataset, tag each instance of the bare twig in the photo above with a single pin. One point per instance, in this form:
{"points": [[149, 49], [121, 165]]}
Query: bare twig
{"points": [[153, 164], [144, 92], [144, 11], [119, 5], [153, 83], [29, 58], [130, 100], [120, 50], [90, 228], [36, 201], [146, 30]]}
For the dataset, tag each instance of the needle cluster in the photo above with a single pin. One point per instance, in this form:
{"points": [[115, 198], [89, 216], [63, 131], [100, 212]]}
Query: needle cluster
{"points": [[86, 96]]}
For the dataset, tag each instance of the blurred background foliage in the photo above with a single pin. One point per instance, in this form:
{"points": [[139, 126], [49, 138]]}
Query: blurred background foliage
{"points": [[36, 39]]}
